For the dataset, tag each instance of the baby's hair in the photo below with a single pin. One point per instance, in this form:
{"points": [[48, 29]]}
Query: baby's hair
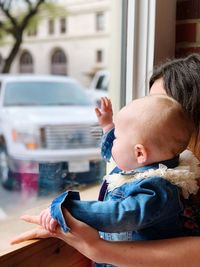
{"points": [[181, 81], [166, 125]]}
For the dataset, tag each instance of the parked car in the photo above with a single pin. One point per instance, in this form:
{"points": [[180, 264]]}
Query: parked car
{"points": [[99, 86], [47, 119]]}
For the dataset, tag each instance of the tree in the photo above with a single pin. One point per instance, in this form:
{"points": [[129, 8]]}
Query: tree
{"points": [[15, 23]]}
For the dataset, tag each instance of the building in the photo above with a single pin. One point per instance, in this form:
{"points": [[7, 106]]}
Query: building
{"points": [[76, 44]]}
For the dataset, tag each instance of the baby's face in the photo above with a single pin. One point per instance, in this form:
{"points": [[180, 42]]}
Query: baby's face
{"points": [[122, 151], [123, 145], [137, 124]]}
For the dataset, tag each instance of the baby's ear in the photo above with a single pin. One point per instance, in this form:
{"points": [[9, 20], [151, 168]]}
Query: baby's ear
{"points": [[140, 154]]}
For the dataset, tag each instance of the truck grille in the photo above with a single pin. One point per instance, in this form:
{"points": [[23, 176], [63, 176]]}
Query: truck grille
{"points": [[70, 136]]}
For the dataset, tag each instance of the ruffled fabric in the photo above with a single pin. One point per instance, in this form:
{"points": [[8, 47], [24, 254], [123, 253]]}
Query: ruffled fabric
{"points": [[184, 176]]}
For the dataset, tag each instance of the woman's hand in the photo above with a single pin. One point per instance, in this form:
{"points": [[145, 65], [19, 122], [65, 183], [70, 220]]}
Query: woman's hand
{"points": [[143, 253], [36, 233], [81, 236]]}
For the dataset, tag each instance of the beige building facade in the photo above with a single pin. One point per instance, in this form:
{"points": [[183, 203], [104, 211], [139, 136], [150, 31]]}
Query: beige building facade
{"points": [[75, 44]]}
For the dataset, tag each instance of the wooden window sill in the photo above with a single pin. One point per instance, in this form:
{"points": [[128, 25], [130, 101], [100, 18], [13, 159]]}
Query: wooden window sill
{"points": [[48, 252], [45, 252]]}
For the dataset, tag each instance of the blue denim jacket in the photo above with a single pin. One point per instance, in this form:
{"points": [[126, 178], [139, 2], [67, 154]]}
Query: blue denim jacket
{"points": [[106, 144], [140, 210], [143, 209]]}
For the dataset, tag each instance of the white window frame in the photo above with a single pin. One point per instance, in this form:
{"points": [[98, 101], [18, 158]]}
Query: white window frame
{"points": [[132, 59], [140, 47]]}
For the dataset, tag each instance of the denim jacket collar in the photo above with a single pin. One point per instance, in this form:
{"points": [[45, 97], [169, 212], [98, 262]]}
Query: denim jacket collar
{"points": [[169, 163]]}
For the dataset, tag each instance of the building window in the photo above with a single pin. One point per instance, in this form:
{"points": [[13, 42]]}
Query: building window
{"points": [[51, 26], [99, 56], [100, 21], [1, 63], [63, 27], [26, 63], [32, 31], [59, 63]]}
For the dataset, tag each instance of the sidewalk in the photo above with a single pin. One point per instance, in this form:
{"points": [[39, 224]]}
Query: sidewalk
{"points": [[13, 226]]}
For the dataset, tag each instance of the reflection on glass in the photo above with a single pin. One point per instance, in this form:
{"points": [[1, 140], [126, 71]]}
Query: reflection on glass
{"points": [[50, 138], [41, 93]]}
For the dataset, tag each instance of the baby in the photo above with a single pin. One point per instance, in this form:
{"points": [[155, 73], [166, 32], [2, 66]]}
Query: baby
{"points": [[144, 197]]}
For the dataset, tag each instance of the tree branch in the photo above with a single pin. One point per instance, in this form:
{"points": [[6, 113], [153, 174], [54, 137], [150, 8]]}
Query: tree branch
{"points": [[29, 4], [32, 12], [7, 13]]}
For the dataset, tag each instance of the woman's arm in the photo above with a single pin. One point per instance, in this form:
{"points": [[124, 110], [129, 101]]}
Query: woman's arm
{"points": [[179, 252]]}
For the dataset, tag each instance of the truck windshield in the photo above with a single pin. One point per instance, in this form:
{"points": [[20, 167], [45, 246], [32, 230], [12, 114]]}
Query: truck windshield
{"points": [[44, 93]]}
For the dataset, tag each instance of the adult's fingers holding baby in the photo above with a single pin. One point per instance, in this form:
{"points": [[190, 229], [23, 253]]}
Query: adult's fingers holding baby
{"points": [[80, 231], [35, 219], [36, 233]]}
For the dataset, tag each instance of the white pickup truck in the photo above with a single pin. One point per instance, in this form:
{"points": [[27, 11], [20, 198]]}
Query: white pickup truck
{"points": [[46, 119], [99, 86]]}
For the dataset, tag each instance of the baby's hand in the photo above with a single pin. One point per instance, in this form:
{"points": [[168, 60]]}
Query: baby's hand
{"points": [[105, 114], [47, 221]]}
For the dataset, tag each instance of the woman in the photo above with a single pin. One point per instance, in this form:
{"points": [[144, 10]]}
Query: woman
{"points": [[180, 79]]}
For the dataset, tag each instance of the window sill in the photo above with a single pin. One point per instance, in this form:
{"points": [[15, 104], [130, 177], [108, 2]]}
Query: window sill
{"points": [[46, 252]]}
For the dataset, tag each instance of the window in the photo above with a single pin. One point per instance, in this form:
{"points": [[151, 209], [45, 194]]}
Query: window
{"points": [[26, 63], [100, 21], [56, 128], [1, 62], [130, 55], [99, 56], [51, 26], [32, 31], [59, 63], [63, 27]]}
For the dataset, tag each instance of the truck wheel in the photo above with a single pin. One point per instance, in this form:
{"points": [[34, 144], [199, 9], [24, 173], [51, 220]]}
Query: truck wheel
{"points": [[5, 174]]}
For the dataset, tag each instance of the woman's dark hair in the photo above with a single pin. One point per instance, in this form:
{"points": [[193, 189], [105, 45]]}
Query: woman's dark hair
{"points": [[181, 78]]}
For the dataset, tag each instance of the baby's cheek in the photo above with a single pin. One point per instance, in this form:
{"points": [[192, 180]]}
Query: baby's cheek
{"points": [[116, 152]]}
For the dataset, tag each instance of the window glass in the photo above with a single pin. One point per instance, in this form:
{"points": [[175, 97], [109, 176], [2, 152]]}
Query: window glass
{"points": [[52, 94], [26, 62], [1, 62], [59, 64], [51, 136], [100, 21], [32, 31], [51, 26], [63, 28], [99, 56]]}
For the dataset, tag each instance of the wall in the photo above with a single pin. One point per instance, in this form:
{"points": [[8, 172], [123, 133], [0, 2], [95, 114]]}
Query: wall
{"points": [[165, 30], [188, 27]]}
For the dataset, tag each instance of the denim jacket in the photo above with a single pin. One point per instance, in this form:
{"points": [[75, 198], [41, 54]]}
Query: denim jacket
{"points": [[106, 144], [144, 209], [141, 210]]}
